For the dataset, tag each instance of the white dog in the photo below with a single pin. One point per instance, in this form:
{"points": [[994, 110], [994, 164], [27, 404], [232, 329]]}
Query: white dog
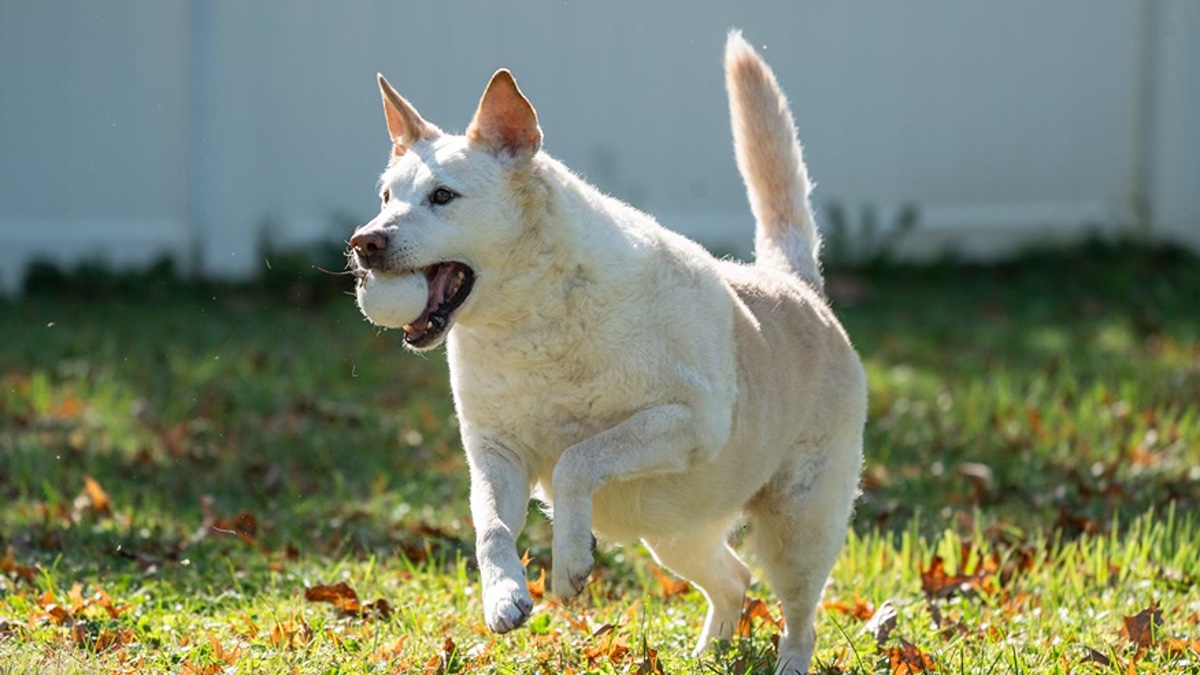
{"points": [[647, 390]]}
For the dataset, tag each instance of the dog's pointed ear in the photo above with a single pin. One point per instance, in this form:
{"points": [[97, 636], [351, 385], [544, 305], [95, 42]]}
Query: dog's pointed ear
{"points": [[404, 123], [505, 121]]}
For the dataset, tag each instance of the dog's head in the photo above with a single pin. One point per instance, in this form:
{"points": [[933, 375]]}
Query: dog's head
{"points": [[452, 207]]}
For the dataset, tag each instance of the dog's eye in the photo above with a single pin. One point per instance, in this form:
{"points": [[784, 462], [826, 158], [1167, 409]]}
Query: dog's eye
{"points": [[386, 196], [442, 196]]}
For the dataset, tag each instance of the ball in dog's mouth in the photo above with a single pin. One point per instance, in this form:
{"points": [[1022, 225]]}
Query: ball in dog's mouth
{"points": [[432, 295], [392, 300]]}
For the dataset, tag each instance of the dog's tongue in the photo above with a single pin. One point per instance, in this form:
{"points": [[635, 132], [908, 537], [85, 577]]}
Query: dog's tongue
{"points": [[439, 293], [439, 285]]}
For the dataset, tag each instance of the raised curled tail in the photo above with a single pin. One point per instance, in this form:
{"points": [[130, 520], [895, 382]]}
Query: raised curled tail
{"points": [[771, 164]]}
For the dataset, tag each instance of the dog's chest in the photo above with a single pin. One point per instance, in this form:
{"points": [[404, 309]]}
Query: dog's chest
{"points": [[541, 408]]}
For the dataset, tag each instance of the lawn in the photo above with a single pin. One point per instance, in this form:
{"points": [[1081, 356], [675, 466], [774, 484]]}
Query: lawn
{"points": [[252, 479]]}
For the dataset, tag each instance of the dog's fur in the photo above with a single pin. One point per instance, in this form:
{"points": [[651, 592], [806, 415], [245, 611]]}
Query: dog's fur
{"points": [[646, 390]]}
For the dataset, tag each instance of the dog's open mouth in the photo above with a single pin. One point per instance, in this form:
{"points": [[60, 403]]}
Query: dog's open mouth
{"points": [[449, 285]]}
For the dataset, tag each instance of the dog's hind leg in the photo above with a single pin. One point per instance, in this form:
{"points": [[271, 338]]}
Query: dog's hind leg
{"points": [[798, 528], [705, 559]]}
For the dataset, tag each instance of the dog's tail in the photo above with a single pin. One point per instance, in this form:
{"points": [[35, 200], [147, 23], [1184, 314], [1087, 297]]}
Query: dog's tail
{"points": [[771, 164]]}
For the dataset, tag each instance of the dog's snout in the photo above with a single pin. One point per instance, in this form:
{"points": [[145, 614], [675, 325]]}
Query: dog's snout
{"points": [[369, 243]]}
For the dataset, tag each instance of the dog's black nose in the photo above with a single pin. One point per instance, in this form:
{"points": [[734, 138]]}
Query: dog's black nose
{"points": [[369, 243]]}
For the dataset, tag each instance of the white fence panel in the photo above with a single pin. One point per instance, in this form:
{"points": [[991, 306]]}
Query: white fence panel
{"points": [[131, 129]]}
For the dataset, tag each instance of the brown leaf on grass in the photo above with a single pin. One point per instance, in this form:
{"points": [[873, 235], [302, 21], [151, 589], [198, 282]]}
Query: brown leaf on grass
{"points": [[576, 622], [949, 627], [1096, 657], [79, 635], [754, 609], [244, 525], [1035, 422], [340, 595], [649, 664], [882, 623], [343, 597], [68, 408], [908, 658], [433, 666], [938, 584], [445, 660], [1181, 646], [102, 600], [225, 656], [113, 639], [190, 668], [93, 499], [250, 631], [9, 565], [607, 644], [389, 653], [97, 599], [291, 633], [615, 650], [380, 608], [51, 609], [670, 586], [537, 588], [75, 595], [1142, 629], [859, 609]]}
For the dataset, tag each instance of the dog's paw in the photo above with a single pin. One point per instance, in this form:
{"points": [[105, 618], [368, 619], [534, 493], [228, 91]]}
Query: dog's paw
{"points": [[572, 569], [506, 605]]}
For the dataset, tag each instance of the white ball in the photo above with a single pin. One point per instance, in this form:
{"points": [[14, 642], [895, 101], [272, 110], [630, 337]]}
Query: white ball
{"points": [[393, 300]]}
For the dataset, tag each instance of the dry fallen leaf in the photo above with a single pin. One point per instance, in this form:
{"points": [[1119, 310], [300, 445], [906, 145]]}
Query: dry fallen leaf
{"points": [[389, 653], [291, 633], [937, 583], [1094, 656], [93, 499], [1142, 629], [670, 586], [343, 597], [649, 664], [9, 564], [109, 639], [226, 656], [1181, 646], [340, 595], [860, 609], [754, 608], [537, 589], [908, 658], [882, 623]]}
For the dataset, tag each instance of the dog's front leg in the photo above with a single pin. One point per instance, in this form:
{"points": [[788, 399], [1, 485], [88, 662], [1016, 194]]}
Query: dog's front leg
{"points": [[499, 501], [654, 441]]}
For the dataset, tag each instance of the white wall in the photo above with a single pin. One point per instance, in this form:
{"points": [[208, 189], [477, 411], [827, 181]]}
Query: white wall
{"points": [[136, 127]]}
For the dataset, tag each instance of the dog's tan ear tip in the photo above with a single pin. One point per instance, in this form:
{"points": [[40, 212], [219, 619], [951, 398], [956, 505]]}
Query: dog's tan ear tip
{"points": [[503, 76]]}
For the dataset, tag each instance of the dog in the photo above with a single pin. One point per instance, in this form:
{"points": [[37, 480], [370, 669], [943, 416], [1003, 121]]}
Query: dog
{"points": [[636, 385]]}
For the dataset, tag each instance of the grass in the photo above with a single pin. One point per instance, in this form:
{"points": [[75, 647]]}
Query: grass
{"points": [[178, 465]]}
